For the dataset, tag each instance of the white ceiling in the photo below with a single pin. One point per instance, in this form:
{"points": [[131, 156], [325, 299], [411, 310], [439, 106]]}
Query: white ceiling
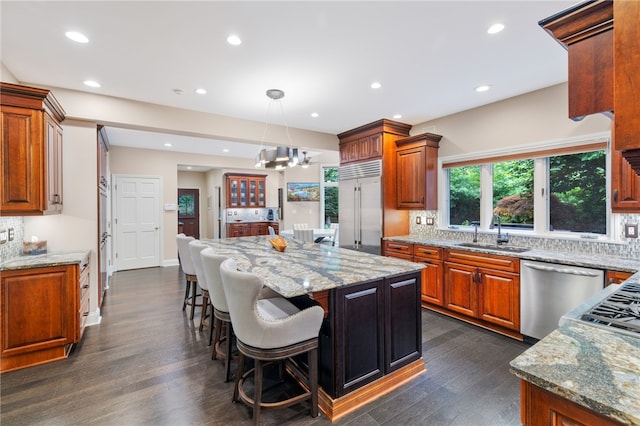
{"points": [[428, 56]]}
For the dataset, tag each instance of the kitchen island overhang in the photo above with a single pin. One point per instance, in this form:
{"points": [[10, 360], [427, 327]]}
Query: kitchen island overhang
{"points": [[371, 337]]}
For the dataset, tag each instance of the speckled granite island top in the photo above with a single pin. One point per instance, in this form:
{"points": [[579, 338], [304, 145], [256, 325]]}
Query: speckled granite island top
{"points": [[44, 260], [592, 367], [307, 267]]}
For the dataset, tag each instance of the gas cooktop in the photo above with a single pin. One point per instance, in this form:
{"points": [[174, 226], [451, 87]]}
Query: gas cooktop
{"points": [[620, 310]]}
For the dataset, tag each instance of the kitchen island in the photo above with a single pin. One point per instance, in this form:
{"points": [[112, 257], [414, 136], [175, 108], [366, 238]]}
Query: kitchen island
{"points": [[371, 337]]}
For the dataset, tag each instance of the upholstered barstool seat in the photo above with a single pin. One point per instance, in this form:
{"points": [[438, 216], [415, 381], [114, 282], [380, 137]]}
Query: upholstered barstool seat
{"points": [[211, 263], [195, 247], [271, 329], [189, 273]]}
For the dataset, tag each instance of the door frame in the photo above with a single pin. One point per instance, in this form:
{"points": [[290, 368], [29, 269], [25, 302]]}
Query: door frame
{"points": [[114, 216]]}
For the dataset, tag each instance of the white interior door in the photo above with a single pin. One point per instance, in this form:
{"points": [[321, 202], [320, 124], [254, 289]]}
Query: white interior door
{"points": [[137, 222]]}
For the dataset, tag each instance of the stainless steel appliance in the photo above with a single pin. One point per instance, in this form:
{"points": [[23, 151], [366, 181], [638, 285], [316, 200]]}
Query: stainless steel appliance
{"points": [[548, 291], [620, 310], [360, 206]]}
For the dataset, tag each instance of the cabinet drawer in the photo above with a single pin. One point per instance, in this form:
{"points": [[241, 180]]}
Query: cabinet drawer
{"points": [[428, 252], [500, 263], [398, 249]]}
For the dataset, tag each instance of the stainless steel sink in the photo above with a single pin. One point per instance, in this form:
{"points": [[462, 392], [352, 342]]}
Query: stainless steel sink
{"points": [[510, 249]]}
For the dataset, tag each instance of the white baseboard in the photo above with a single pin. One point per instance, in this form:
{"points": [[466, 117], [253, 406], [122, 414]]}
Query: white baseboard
{"points": [[170, 262], [94, 318]]}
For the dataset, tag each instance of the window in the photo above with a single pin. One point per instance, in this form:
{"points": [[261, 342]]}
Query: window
{"points": [[513, 193], [330, 186], [464, 193], [577, 192], [569, 184]]}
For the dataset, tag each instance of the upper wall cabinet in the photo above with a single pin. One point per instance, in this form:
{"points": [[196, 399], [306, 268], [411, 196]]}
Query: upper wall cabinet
{"points": [[246, 190], [30, 151], [603, 40], [417, 172], [366, 143]]}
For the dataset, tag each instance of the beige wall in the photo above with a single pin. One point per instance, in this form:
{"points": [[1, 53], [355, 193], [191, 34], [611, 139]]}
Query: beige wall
{"points": [[302, 212], [532, 118]]}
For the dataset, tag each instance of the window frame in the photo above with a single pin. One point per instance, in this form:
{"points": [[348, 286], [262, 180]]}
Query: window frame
{"points": [[540, 154]]}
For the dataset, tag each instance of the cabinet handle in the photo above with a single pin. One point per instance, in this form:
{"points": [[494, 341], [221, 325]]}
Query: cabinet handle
{"points": [[422, 200], [615, 195], [479, 277]]}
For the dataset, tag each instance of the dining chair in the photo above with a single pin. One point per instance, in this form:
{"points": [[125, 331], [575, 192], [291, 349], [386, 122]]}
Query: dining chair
{"points": [[305, 235], [269, 330], [300, 226], [195, 247], [189, 272]]}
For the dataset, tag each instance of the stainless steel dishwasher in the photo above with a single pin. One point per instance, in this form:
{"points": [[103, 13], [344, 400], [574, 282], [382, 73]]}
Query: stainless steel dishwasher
{"points": [[549, 290]]}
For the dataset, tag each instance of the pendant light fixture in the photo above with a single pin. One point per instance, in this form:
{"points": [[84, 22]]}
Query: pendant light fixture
{"points": [[282, 156]]}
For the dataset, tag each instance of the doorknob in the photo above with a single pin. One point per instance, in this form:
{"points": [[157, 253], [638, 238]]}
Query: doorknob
{"points": [[156, 228]]}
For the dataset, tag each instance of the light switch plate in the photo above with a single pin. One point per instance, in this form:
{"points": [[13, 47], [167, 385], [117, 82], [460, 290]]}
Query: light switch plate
{"points": [[631, 230], [3, 236]]}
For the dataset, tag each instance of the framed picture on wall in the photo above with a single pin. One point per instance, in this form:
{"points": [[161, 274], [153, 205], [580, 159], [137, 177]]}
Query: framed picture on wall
{"points": [[303, 191]]}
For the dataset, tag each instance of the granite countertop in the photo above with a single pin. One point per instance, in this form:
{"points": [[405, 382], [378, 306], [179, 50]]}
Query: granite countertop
{"points": [[593, 367], [307, 267], [44, 260], [575, 259]]}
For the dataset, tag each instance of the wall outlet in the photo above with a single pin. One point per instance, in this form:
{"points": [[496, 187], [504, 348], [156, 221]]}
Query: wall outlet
{"points": [[430, 221], [11, 234], [3, 236], [631, 230]]}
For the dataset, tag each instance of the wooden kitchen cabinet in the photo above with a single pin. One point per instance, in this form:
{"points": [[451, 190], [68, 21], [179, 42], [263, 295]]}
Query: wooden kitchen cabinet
{"points": [[482, 286], [245, 190], [250, 229], [30, 151], [540, 407], [376, 330], [616, 277], [432, 275], [417, 172], [625, 185], [600, 37], [361, 149], [44, 312], [398, 250]]}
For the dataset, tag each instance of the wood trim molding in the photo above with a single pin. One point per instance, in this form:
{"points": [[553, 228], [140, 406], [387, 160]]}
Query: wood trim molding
{"points": [[335, 409]]}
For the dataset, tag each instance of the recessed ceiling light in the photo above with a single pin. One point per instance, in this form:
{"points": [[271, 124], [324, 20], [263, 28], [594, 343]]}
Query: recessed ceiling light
{"points": [[91, 83], [396, 116], [376, 85], [314, 114], [482, 88], [167, 144], [201, 91], [77, 37], [495, 28], [225, 150], [234, 40], [189, 167]]}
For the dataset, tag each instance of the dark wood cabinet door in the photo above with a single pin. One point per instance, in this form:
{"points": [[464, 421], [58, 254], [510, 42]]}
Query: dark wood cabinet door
{"points": [[461, 289], [359, 335], [189, 211], [403, 326], [625, 185], [499, 298]]}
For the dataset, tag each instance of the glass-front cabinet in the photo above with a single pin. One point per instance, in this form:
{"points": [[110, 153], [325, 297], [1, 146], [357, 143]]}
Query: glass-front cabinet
{"points": [[245, 190]]}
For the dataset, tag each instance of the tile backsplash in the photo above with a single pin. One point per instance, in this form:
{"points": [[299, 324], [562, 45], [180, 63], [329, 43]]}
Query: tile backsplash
{"points": [[623, 247], [13, 248]]}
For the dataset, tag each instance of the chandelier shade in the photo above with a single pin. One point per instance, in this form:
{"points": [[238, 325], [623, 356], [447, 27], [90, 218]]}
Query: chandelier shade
{"points": [[282, 156]]}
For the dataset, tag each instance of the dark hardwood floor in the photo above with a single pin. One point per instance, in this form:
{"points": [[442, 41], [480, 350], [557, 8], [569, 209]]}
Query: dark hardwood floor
{"points": [[147, 364]]}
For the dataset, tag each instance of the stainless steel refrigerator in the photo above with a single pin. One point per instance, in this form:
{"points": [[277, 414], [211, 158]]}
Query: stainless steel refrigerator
{"points": [[360, 206]]}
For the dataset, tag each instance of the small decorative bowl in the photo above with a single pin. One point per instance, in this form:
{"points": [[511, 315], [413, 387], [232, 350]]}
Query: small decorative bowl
{"points": [[278, 243]]}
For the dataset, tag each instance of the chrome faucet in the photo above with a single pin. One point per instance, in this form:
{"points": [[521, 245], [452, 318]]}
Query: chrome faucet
{"points": [[475, 231], [502, 239]]}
